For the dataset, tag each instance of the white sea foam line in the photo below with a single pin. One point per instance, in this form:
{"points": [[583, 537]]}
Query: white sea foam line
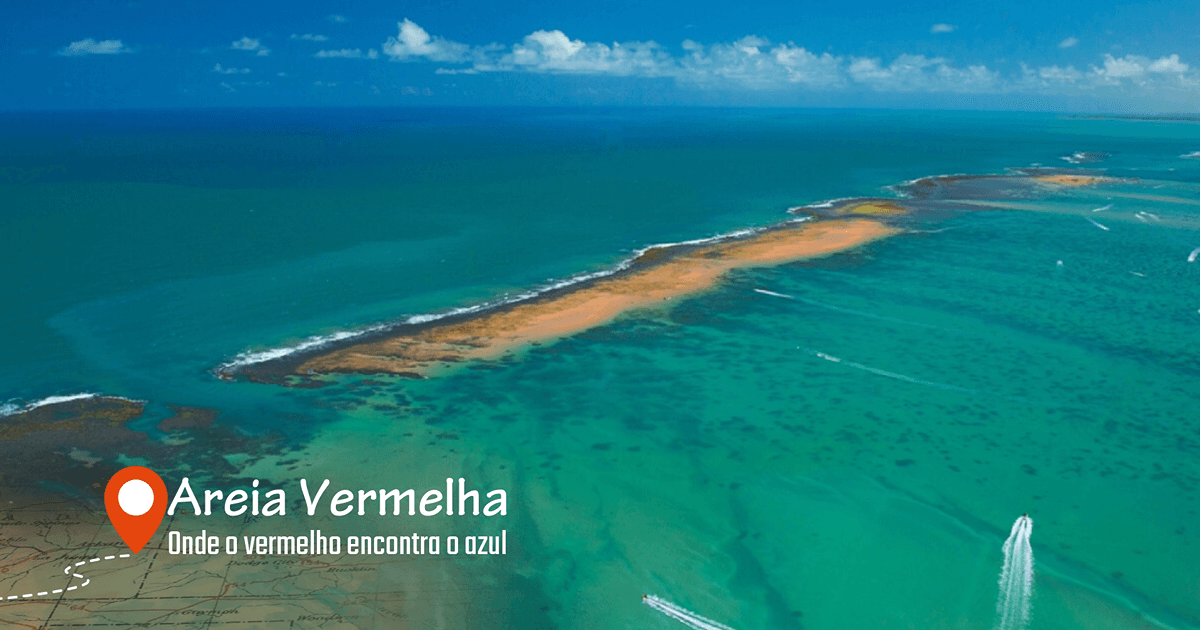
{"points": [[900, 188], [67, 570], [1097, 224], [828, 203], [10, 408], [682, 615], [260, 356], [1102, 208], [1192, 256], [899, 377]]}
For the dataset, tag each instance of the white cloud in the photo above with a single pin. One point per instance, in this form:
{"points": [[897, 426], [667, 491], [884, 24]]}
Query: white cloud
{"points": [[1168, 65], [249, 44], [1125, 67], [554, 52], [1135, 67], [90, 46], [309, 37], [221, 70], [340, 19], [414, 42], [1056, 74], [1132, 75], [912, 73], [348, 53], [755, 63], [943, 28], [1069, 42]]}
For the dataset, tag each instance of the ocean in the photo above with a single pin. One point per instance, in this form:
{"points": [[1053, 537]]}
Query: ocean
{"points": [[834, 443]]}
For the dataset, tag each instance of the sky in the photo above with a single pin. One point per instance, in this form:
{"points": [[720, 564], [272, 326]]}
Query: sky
{"points": [[1067, 55]]}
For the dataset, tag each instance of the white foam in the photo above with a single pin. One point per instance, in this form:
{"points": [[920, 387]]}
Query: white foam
{"points": [[1192, 256], [900, 189], [1016, 578], [249, 357], [1082, 157], [1097, 224], [823, 204], [12, 408], [1102, 208], [1192, 156]]}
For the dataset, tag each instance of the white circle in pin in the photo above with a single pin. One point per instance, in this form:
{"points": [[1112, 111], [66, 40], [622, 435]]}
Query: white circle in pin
{"points": [[136, 497]]}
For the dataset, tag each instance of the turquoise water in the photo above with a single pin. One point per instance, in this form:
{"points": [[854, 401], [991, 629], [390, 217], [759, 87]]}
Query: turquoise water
{"points": [[712, 453]]}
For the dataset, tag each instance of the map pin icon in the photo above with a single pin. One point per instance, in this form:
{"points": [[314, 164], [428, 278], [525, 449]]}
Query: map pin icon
{"points": [[136, 501]]}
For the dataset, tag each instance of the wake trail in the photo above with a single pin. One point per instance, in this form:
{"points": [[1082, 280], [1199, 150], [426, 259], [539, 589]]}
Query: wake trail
{"points": [[851, 311], [899, 377], [1013, 605], [682, 615]]}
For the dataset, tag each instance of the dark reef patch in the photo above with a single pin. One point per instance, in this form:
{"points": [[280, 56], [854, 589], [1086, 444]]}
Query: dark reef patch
{"points": [[72, 448]]}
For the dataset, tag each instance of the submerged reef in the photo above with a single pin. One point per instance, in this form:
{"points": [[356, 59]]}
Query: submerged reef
{"points": [[71, 446]]}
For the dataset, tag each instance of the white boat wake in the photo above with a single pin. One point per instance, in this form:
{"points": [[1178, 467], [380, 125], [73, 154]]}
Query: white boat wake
{"points": [[682, 615], [899, 377], [1016, 578]]}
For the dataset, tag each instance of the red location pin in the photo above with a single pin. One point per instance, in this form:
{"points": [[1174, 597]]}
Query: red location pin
{"points": [[136, 501]]}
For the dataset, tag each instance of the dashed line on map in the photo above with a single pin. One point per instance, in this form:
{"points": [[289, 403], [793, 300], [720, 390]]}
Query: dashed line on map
{"points": [[67, 570]]}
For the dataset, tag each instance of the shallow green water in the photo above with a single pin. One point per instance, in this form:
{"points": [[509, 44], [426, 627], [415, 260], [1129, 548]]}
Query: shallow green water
{"points": [[715, 453]]}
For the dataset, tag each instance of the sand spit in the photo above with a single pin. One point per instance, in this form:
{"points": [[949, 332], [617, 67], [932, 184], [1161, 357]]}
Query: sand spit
{"points": [[655, 277]]}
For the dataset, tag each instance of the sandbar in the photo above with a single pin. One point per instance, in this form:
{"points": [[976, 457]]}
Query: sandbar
{"points": [[657, 276], [1071, 180]]}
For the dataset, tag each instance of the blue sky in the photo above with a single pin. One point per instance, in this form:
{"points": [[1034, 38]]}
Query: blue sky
{"points": [[1072, 55]]}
